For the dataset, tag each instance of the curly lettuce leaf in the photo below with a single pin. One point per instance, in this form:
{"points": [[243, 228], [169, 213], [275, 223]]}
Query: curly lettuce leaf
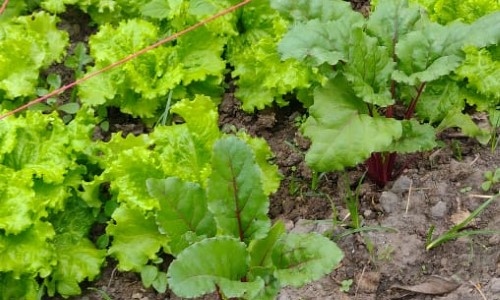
{"points": [[29, 252], [446, 11], [348, 136], [136, 238], [18, 207], [482, 71], [20, 68], [140, 87], [24, 287], [77, 257], [261, 76]]}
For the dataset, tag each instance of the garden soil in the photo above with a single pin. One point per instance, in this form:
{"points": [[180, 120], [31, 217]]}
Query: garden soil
{"points": [[439, 188]]}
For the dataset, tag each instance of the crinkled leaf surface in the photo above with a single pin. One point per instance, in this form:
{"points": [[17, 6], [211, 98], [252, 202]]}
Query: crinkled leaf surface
{"points": [[24, 287], [438, 99], [341, 131], [369, 69], [392, 20], [183, 208], [18, 205], [317, 42], [235, 194], [482, 71], [302, 258], [20, 67], [136, 238], [305, 10], [219, 262], [29, 252], [77, 257], [186, 148]]}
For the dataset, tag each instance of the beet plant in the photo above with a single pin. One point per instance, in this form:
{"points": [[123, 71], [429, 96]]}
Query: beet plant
{"points": [[390, 80], [190, 191]]}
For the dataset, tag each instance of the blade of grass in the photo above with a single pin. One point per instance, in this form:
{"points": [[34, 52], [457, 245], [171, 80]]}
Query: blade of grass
{"points": [[455, 232]]}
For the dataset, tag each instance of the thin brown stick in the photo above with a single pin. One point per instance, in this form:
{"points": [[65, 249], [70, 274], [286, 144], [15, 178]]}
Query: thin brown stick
{"points": [[409, 197], [128, 58], [478, 288], [4, 6]]}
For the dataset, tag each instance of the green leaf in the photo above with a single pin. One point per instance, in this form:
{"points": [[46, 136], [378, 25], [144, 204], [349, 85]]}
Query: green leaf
{"points": [[392, 20], [235, 194], [369, 69], [136, 238], [305, 10], [438, 99], [148, 275], [348, 136], [430, 53], [18, 205], [271, 176], [465, 123], [34, 246], [302, 258], [318, 42], [157, 9], [416, 137], [261, 250], [203, 267], [481, 71], [188, 146], [14, 287], [20, 68], [77, 257], [69, 108], [161, 282], [183, 208]]}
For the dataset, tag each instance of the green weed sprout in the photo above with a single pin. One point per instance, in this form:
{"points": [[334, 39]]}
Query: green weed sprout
{"points": [[455, 232], [492, 178]]}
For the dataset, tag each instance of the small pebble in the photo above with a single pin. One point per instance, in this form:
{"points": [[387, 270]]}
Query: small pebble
{"points": [[439, 210], [401, 185], [495, 286], [390, 202]]}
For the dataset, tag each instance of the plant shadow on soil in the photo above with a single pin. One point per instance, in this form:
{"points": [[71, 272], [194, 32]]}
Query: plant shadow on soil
{"points": [[439, 193]]}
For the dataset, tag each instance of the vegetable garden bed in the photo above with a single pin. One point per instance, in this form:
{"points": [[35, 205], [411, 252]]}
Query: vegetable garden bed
{"points": [[269, 149]]}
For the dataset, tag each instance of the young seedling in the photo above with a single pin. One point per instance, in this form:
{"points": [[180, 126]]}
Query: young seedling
{"points": [[492, 178], [52, 104], [456, 231]]}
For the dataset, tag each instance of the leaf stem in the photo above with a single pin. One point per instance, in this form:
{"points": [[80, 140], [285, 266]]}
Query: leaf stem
{"points": [[126, 59], [411, 109]]}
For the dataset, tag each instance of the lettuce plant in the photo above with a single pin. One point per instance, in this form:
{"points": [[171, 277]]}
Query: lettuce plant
{"points": [[395, 58], [44, 223], [28, 44]]}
